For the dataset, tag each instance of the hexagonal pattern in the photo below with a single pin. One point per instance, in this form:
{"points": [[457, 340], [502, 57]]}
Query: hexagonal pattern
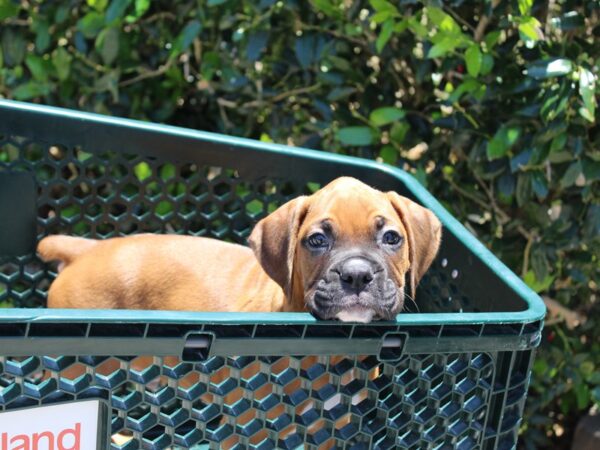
{"points": [[112, 193], [423, 401], [467, 400]]}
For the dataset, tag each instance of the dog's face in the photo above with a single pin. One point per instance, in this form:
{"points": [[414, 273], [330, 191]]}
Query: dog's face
{"points": [[348, 251]]}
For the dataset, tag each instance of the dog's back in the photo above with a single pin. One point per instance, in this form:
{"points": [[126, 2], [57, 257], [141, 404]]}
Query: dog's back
{"points": [[147, 271]]}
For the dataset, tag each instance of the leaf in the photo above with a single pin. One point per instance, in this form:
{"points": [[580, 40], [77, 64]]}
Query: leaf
{"points": [[186, 37], [502, 141], [62, 12], [116, 10], [31, 89], [9, 8], [442, 48], [14, 47], [142, 171], [558, 143], [474, 59], [167, 171], [539, 262], [327, 7], [257, 42], [506, 185], [591, 169], [264, 137], [211, 62], [548, 68], [491, 39], [339, 93], [525, 6], [540, 185], [520, 161], [355, 136], [42, 37], [383, 5], [61, 60], [587, 86], [385, 34], [595, 394], [443, 21], [421, 176], [582, 394], [141, 6], [469, 86], [586, 114], [535, 284], [487, 64], [37, 66], [389, 154], [569, 21], [530, 30], [304, 48], [215, 2], [571, 175], [386, 115], [98, 5], [591, 227], [108, 44], [398, 131], [587, 368], [381, 16], [109, 83], [524, 188], [91, 24]]}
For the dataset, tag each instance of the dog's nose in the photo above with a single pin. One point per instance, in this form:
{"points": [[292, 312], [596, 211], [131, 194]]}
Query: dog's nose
{"points": [[356, 274]]}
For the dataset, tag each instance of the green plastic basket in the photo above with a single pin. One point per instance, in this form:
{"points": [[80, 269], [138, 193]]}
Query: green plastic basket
{"points": [[454, 375]]}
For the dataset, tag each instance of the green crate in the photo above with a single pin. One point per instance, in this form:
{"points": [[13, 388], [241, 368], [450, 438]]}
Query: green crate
{"points": [[453, 375]]}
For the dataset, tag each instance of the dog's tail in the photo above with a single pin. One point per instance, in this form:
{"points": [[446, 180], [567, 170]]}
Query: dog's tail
{"points": [[64, 249]]}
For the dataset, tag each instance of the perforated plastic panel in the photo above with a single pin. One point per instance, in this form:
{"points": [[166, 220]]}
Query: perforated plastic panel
{"points": [[442, 400], [459, 380]]}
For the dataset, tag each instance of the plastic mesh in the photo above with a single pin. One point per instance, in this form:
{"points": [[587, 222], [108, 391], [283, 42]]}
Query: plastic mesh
{"points": [[114, 193], [422, 401]]}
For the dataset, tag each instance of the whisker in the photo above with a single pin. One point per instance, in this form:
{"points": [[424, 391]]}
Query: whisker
{"points": [[413, 302]]}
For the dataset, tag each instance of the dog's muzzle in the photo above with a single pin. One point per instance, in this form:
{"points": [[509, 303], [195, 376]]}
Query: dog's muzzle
{"points": [[356, 289]]}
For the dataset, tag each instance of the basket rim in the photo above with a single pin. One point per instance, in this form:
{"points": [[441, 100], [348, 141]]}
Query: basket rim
{"points": [[535, 308]]}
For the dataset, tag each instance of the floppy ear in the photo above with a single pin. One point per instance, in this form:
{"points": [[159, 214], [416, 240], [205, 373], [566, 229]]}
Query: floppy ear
{"points": [[424, 234], [274, 239]]}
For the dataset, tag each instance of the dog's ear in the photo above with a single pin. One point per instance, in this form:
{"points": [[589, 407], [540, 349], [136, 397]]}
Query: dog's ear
{"points": [[274, 239], [424, 234]]}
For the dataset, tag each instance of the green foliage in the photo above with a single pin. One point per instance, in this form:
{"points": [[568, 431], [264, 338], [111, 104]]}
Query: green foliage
{"points": [[491, 104]]}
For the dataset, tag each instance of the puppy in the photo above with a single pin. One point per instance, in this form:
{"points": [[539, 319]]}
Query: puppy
{"points": [[347, 252]]}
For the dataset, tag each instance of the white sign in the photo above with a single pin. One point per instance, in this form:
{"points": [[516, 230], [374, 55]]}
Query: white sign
{"points": [[68, 426]]}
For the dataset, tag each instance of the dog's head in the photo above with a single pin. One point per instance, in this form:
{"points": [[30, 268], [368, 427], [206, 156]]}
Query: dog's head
{"points": [[348, 251]]}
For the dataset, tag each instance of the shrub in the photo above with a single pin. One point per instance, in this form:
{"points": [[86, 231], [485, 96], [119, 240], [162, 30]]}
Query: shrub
{"points": [[491, 105]]}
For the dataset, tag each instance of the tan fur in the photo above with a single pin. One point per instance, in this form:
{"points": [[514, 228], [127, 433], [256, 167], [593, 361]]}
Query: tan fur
{"points": [[424, 232], [170, 272]]}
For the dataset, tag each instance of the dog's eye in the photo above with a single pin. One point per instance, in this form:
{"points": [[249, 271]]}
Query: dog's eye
{"points": [[391, 238], [317, 240]]}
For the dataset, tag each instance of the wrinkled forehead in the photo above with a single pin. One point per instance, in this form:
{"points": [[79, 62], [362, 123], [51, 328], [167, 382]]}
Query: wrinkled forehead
{"points": [[351, 207]]}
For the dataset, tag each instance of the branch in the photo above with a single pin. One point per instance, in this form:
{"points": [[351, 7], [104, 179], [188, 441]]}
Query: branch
{"points": [[159, 16], [559, 313], [458, 18], [149, 74], [483, 23]]}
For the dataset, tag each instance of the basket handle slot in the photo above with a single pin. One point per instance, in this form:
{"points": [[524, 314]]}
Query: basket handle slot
{"points": [[197, 346]]}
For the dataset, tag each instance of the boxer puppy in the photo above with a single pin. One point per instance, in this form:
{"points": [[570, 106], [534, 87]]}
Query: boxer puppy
{"points": [[347, 252]]}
